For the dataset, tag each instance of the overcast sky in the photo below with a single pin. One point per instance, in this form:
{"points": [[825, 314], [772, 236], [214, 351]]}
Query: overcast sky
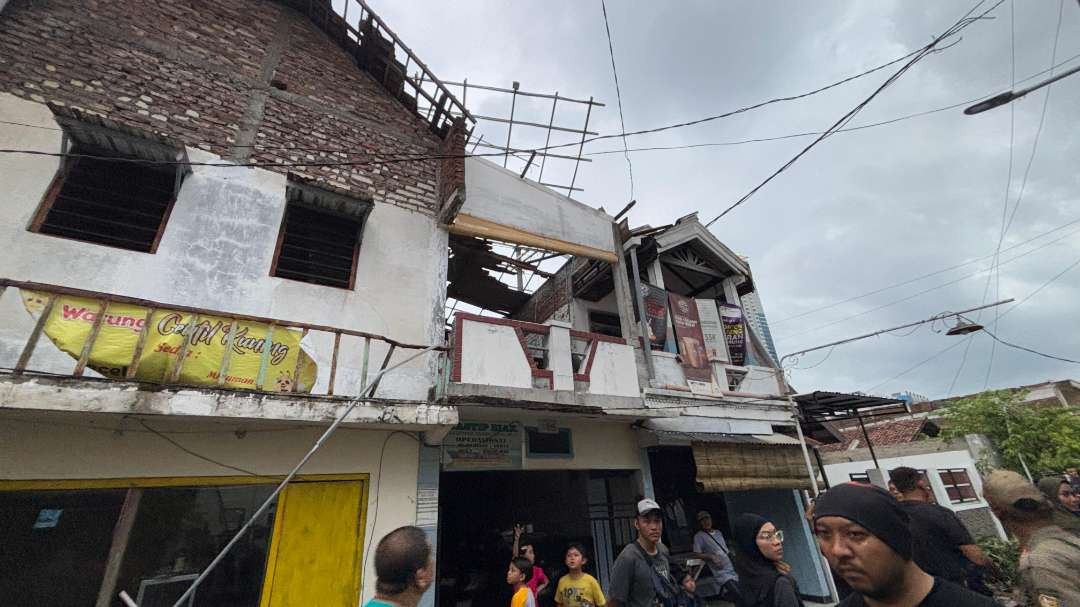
{"points": [[863, 210]]}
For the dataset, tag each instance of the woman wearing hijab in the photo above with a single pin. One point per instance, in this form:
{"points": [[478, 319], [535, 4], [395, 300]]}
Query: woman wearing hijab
{"points": [[1065, 500], [764, 579]]}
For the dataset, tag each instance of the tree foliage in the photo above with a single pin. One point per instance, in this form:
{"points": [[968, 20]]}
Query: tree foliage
{"points": [[1046, 436]]}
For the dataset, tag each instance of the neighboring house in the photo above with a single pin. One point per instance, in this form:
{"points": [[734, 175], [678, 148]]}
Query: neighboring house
{"points": [[907, 441], [1063, 392]]}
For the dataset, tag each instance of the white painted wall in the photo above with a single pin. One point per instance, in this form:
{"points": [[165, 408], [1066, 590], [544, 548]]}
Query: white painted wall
{"points": [[216, 253], [931, 462], [598, 445], [614, 371], [86, 447], [501, 196], [491, 355]]}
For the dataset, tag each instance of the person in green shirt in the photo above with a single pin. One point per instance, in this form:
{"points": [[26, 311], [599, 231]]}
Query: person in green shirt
{"points": [[577, 588], [404, 568]]}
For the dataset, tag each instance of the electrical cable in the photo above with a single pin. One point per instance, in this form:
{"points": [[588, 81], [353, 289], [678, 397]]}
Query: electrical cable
{"points": [[173, 442], [921, 277], [1043, 354], [376, 491], [618, 96], [1027, 173], [925, 291], [926, 50]]}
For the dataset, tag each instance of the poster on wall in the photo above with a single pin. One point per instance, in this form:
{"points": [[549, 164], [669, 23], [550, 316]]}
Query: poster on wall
{"points": [[695, 361], [734, 333], [655, 313], [483, 446], [712, 330]]}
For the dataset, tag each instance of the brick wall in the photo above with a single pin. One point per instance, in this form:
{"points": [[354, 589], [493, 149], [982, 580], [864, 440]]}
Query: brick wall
{"points": [[250, 80]]}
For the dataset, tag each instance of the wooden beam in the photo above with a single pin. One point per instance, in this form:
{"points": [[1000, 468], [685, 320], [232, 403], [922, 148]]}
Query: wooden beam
{"points": [[671, 261], [467, 225]]}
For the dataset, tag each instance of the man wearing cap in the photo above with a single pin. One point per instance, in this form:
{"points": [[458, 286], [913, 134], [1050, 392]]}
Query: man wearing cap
{"points": [[643, 570], [709, 546], [863, 533], [1050, 557]]}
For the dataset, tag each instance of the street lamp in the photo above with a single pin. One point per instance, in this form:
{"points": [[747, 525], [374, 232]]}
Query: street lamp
{"points": [[1007, 96]]}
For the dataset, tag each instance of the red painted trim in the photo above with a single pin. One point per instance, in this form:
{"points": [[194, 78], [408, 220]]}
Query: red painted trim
{"points": [[459, 337], [549, 374], [519, 329], [596, 336], [592, 357], [531, 327]]}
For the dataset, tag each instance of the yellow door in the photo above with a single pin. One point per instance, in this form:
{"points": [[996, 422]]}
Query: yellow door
{"points": [[315, 553]]}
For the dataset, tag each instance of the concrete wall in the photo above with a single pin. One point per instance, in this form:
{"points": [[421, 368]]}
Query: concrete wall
{"points": [[597, 446], [785, 510], [492, 355], [501, 196], [838, 472], [216, 253], [78, 446], [614, 370]]}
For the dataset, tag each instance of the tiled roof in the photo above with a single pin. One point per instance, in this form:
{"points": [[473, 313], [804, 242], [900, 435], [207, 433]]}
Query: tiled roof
{"points": [[881, 434]]}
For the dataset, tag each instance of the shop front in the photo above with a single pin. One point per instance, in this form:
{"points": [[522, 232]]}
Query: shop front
{"points": [[729, 474], [561, 480]]}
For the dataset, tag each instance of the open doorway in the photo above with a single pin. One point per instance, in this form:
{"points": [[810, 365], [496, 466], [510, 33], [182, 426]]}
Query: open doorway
{"points": [[478, 511]]}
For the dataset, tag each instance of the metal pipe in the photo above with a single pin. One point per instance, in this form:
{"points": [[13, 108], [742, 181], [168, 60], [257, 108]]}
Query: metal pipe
{"points": [[646, 345], [581, 146], [292, 473], [869, 443], [938, 317]]}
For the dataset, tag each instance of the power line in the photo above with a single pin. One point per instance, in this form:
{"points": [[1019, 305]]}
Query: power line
{"points": [[1027, 172], [955, 28], [173, 442], [923, 276], [618, 96], [925, 291], [1043, 354]]}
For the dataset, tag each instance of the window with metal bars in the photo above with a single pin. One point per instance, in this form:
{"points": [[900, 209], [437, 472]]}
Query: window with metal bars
{"points": [[320, 236], [958, 485], [109, 197]]}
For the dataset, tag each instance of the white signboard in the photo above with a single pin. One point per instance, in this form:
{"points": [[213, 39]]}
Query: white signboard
{"points": [[483, 446], [713, 330]]}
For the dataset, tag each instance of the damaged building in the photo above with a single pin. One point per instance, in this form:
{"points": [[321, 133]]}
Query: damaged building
{"points": [[242, 219]]}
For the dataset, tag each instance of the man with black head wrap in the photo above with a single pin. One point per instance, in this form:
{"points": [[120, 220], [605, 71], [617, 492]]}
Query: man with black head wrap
{"points": [[863, 533]]}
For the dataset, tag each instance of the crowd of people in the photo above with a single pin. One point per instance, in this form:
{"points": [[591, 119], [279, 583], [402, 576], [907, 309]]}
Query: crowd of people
{"points": [[890, 548]]}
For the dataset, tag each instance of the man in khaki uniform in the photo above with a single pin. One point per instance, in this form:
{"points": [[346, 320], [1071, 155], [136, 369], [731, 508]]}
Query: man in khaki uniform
{"points": [[1050, 557]]}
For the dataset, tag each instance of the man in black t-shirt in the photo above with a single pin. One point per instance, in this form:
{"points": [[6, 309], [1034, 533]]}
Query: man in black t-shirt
{"points": [[943, 546], [863, 533]]}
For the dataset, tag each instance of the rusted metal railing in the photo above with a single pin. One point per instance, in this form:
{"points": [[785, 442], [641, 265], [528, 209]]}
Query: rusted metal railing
{"points": [[104, 300]]}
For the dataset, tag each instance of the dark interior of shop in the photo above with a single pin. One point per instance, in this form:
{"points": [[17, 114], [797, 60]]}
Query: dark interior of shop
{"points": [[478, 511], [676, 490]]}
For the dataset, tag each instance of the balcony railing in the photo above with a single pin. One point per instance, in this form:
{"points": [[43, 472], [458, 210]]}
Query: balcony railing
{"points": [[130, 339], [515, 354]]}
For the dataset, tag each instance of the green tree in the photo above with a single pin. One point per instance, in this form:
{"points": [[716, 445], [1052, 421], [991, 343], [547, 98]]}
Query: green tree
{"points": [[1047, 437]]}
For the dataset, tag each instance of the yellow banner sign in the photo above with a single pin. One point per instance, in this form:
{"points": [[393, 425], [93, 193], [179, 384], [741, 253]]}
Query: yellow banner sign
{"points": [[72, 318]]}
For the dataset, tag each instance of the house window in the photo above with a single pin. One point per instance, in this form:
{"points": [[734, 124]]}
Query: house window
{"points": [[958, 485], [320, 236], [549, 444], [860, 477], [117, 191], [604, 323]]}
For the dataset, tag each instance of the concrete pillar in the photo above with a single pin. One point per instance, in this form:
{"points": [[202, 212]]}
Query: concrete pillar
{"points": [[559, 361], [427, 504]]}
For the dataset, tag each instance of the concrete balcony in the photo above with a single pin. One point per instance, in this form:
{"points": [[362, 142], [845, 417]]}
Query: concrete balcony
{"points": [[509, 362], [71, 350]]}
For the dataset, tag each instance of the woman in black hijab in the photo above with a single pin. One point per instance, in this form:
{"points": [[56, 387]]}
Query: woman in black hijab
{"points": [[763, 575]]}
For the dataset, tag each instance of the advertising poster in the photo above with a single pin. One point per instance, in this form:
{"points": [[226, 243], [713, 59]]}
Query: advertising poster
{"points": [[72, 318], [695, 361], [655, 313], [712, 330], [734, 333], [483, 446]]}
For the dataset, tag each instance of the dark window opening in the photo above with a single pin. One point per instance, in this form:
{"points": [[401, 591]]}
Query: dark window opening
{"points": [[605, 324], [860, 477], [549, 444], [318, 247], [958, 485], [111, 200]]}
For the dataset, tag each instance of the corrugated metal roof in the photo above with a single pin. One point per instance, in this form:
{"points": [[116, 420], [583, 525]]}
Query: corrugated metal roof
{"points": [[715, 437]]}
